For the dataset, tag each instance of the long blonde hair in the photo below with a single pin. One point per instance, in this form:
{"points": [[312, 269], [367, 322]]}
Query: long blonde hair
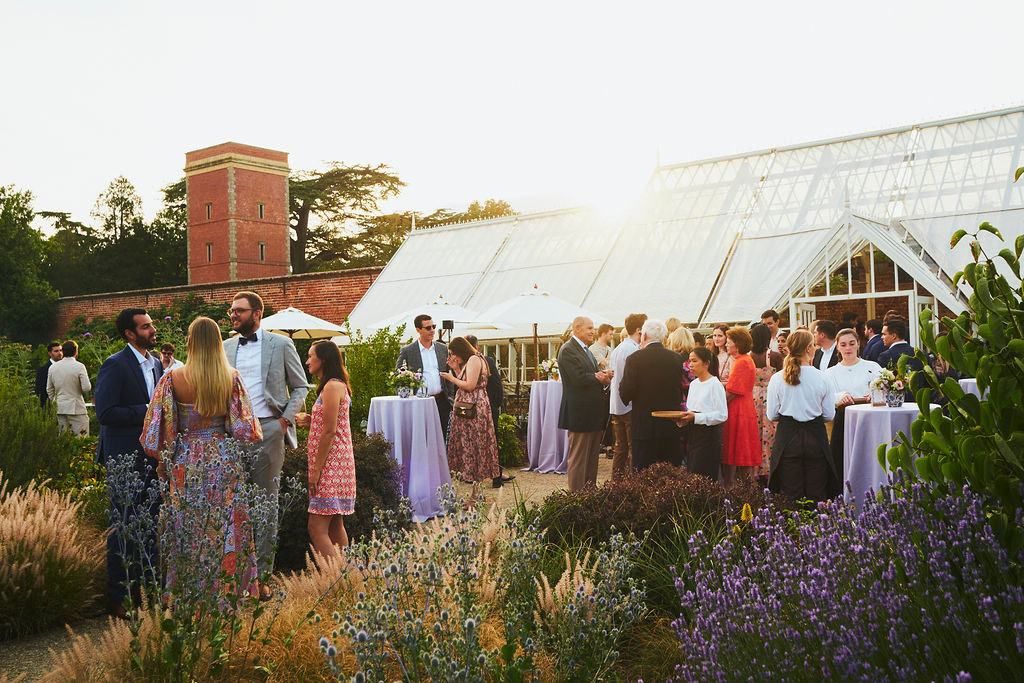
{"points": [[681, 341], [207, 368], [798, 341]]}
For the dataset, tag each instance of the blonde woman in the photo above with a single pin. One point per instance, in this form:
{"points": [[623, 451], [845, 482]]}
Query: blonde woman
{"points": [[194, 410], [801, 400]]}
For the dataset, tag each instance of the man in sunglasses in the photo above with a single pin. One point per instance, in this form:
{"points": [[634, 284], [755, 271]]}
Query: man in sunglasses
{"points": [[430, 357]]}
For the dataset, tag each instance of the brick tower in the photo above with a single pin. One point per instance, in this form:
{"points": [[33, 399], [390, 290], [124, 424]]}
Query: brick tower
{"points": [[237, 213]]}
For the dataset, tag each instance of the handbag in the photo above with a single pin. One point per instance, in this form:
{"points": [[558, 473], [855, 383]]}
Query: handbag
{"points": [[465, 409]]}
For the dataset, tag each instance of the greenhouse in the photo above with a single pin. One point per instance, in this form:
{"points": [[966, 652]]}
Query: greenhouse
{"points": [[860, 223]]}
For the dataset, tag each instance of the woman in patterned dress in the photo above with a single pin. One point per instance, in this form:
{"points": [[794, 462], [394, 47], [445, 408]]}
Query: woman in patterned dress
{"points": [[332, 465], [741, 442], [194, 410], [472, 447], [718, 339], [766, 364]]}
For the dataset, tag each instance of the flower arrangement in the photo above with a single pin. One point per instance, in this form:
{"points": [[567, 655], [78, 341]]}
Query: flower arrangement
{"points": [[889, 382], [404, 378], [549, 368]]}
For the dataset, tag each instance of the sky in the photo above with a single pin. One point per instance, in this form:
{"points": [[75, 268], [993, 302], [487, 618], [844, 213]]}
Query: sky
{"points": [[544, 104]]}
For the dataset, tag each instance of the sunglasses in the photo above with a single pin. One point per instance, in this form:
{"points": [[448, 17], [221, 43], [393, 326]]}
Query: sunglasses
{"points": [[429, 327]]}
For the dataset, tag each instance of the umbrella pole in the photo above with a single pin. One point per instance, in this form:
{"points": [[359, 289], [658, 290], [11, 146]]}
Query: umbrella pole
{"points": [[536, 353]]}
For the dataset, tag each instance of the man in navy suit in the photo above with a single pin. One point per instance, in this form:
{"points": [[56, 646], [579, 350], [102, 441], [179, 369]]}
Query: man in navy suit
{"points": [[827, 354], [124, 387], [875, 346], [53, 350], [894, 335]]}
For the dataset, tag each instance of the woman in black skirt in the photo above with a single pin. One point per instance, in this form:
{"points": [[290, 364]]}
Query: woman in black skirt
{"points": [[707, 410]]}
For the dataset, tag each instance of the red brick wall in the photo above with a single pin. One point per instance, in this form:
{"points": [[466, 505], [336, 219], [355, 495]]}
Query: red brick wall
{"points": [[331, 295]]}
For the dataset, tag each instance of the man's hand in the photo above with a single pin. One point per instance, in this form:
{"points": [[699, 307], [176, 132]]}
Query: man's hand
{"points": [[285, 424], [604, 377]]}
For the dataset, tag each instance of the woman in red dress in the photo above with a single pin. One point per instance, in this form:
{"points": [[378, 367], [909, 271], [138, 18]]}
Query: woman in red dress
{"points": [[741, 442]]}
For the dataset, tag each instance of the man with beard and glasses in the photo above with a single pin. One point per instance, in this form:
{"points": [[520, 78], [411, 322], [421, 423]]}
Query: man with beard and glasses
{"points": [[276, 381], [124, 387]]}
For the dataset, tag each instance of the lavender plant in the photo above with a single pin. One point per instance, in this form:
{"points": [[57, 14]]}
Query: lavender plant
{"points": [[209, 526], [915, 587]]}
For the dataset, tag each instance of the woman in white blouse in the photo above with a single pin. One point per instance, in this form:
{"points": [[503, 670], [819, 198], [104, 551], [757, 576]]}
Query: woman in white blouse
{"points": [[707, 410], [849, 379], [801, 400]]}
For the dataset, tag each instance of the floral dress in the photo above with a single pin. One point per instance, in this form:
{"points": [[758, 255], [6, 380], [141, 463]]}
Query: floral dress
{"points": [[472, 447], [336, 493], [765, 426], [204, 476]]}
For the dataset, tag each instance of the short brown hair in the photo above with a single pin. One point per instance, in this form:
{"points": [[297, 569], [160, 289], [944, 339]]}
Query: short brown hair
{"points": [[168, 346], [603, 328], [634, 322], [69, 348], [741, 338], [254, 299]]}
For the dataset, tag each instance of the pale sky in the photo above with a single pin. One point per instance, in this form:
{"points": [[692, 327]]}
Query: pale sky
{"points": [[544, 104]]}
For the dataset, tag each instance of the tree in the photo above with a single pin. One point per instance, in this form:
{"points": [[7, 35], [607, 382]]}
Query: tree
{"points": [[27, 301], [118, 209], [68, 253], [333, 198]]}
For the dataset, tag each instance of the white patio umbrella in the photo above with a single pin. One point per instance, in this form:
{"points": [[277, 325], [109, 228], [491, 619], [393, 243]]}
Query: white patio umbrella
{"points": [[298, 325], [538, 307], [438, 308]]}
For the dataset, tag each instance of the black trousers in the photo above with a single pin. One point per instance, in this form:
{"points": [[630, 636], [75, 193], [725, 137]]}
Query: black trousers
{"points": [[444, 411], [802, 472], [704, 450], [647, 452]]}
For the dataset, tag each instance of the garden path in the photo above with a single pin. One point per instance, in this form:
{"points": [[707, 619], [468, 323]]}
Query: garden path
{"points": [[531, 486]]}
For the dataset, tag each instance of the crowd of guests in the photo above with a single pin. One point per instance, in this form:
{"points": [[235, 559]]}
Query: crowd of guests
{"points": [[738, 404]]}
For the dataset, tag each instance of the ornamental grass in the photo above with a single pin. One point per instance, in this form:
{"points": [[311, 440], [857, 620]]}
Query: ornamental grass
{"points": [[50, 562]]}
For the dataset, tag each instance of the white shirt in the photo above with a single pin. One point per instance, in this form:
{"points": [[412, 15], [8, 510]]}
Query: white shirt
{"points": [[249, 363], [804, 402], [147, 364], [707, 400], [618, 364], [826, 356], [853, 379], [431, 374], [175, 364], [774, 344]]}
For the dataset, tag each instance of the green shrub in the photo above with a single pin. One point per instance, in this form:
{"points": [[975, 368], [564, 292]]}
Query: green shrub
{"points": [[31, 447], [49, 561], [86, 482], [510, 454], [368, 361], [377, 487]]}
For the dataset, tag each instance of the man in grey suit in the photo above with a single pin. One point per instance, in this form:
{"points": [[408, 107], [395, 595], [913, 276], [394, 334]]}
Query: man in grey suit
{"points": [[431, 358], [584, 408], [276, 381], [66, 385]]}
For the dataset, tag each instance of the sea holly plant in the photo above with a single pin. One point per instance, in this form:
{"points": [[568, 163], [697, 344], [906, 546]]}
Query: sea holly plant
{"points": [[975, 442]]}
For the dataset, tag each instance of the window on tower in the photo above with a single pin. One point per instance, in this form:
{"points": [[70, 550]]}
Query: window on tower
{"points": [[263, 245], [209, 210], [209, 248], [261, 214]]}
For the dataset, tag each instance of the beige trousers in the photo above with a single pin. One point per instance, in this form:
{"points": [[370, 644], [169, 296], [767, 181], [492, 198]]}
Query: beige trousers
{"points": [[583, 453]]}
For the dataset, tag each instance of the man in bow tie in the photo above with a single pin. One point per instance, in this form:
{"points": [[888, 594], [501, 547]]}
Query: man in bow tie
{"points": [[124, 387], [276, 381]]}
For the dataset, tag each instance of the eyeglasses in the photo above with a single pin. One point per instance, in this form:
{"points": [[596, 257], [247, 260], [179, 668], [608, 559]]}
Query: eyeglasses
{"points": [[429, 327], [238, 311]]}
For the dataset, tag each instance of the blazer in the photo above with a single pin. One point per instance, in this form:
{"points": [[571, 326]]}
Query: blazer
{"points": [[40, 388], [834, 360], [66, 384], [652, 380], [121, 401], [891, 356], [495, 390], [584, 406], [873, 348], [410, 355], [284, 379]]}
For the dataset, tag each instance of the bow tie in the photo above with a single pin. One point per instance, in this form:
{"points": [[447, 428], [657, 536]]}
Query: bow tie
{"points": [[245, 340]]}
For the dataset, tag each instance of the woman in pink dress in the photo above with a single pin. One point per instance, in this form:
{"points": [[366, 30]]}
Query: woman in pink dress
{"points": [[741, 443], [332, 466], [472, 447]]}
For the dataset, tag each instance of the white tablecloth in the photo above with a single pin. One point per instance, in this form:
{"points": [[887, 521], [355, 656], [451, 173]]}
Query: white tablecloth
{"points": [[413, 427], [866, 428], [970, 386], [546, 444]]}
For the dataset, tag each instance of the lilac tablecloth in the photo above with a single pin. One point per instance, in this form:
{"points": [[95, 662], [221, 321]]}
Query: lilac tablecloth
{"points": [[413, 427], [546, 444], [970, 386], [866, 428]]}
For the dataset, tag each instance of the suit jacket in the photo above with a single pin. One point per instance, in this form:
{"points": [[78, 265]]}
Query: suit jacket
{"points": [[67, 384], [891, 356], [40, 388], [495, 390], [121, 401], [873, 348], [834, 360], [284, 379], [584, 406], [652, 380], [410, 355]]}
